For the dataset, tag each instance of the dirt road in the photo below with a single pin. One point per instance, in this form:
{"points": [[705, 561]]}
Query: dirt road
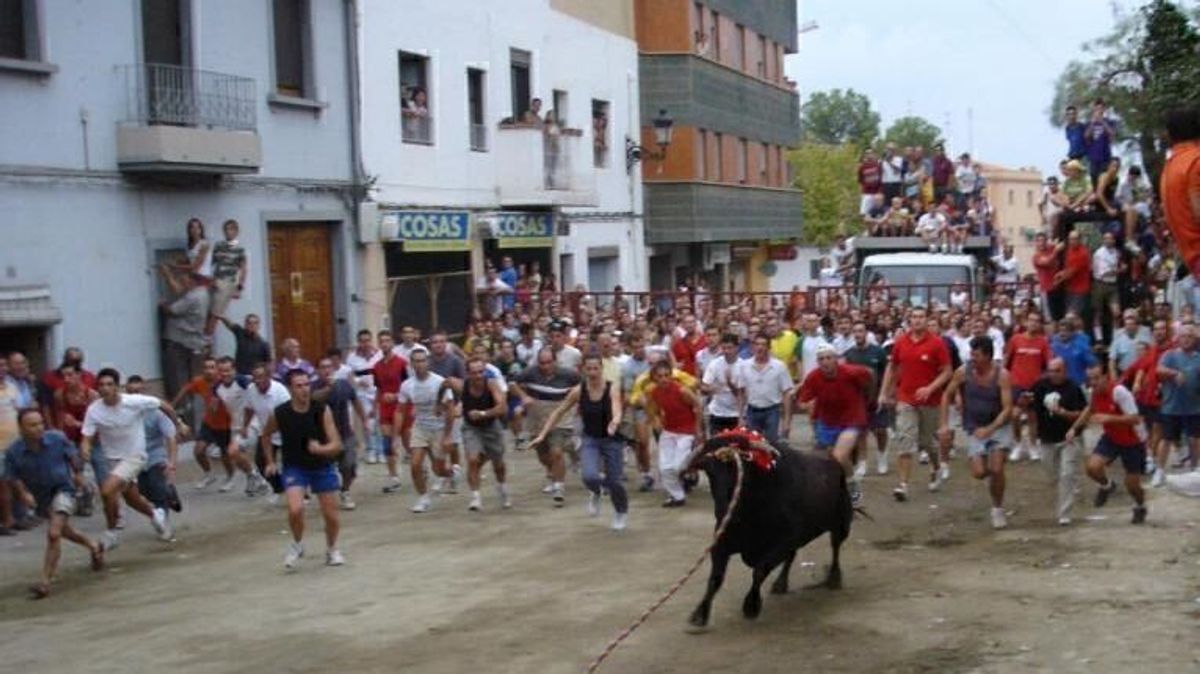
{"points": [[929, 587]]}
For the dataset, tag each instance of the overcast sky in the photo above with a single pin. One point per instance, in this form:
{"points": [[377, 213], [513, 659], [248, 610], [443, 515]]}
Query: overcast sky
{"points": [[937, 59]]}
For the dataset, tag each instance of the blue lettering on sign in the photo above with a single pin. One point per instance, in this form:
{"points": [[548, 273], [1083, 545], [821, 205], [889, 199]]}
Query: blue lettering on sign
{"points": [[514, 225], [412, 225]]}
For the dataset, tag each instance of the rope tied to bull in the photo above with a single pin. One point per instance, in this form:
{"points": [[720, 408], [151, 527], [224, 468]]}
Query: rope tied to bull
{"points": [[746, 446]]}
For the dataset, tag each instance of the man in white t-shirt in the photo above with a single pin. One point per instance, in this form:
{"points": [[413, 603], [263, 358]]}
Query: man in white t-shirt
{"points": [[116, 419], [261, 398], [719, 383], [362, 361], [931, 227], [432, 409]]}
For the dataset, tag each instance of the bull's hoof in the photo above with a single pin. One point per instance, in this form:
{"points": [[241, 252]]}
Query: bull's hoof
{"points": [[834, 580], [780, 586], [752, 606], [698, 622]]}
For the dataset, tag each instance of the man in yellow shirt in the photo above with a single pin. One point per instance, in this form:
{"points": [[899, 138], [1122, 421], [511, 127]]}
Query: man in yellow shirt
{"points": [[783, 343]]}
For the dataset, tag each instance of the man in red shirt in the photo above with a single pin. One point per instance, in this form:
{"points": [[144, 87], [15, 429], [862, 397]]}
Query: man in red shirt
{"points": [[1113, 408], [1076, 276], [686, 348], [836, 394], [1142, 379], [917, 371], [870, 179], [1026, 356], [215, 430], [1045, 261], [676, 410], [389, 373]]}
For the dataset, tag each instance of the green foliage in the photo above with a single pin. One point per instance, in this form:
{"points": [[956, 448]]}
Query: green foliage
{"points": [[1147, 65], [913, 131], [837, 117], [827, 176]]}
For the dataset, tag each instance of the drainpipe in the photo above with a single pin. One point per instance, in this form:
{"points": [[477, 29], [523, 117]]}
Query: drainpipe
{"points": [[358, 180]]}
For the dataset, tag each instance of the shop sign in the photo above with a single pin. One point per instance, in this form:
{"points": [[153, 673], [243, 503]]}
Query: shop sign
{"points": [[523, 230], [427, 231]]}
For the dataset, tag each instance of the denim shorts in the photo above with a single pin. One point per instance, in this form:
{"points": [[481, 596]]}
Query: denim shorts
{"points": [[318, 480], [826, 436]]}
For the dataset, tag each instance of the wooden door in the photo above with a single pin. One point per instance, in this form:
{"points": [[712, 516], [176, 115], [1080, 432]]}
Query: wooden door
{"points": [[301, 270]]}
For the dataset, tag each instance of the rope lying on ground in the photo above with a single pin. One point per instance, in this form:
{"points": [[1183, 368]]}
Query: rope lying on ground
{"points": [[628, 631]]}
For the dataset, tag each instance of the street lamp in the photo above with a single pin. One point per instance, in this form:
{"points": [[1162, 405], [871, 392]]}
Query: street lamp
{"points": [[635, 153]]}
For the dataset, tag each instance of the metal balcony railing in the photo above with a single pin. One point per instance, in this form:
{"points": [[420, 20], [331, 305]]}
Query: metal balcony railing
{"points": [[557, 155], [158, 93], [479, 137], [416, 128]]}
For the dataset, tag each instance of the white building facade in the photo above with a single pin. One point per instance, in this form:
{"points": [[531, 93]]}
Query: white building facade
{"points": [[460, 175], [125, 119]]}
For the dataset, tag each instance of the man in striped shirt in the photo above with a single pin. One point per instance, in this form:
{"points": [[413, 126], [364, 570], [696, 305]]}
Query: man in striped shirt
{"points": [[541, 389]]}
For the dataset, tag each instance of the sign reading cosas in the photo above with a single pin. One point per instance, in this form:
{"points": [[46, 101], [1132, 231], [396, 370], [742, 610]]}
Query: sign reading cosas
{"points": [[428, 231], [524, 230]]}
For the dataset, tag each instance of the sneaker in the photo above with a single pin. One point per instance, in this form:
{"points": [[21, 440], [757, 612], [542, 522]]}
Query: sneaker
{"points": [[900, 493], [372, 458], [423, 504], [121, 520], [945, 248], [923, 458], [333, 557], [935, 481], [1151, 467], [393, 485], [933, 248], [110, 539], [647, 483], [291, 559], [273, 499], [881, 464], [1103, 493], [999, 521], [620, 521], [860, 470], [227, 485], [1159, 479], [158, 520], [549, 488], [505, 500], [944, 472], [205, 482], [345, 501], [476, 502], [1035, 453], [1139, 514], [855, 490], [451, 483], [256, 485], [1132, 247], [559, 496], [1018, 453], [519, 443], [1064, 521], [672, 502], [593, 504]]}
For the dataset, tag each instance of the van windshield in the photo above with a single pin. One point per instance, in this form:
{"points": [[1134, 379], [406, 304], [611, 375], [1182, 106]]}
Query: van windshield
{"points": [[937, 281]]}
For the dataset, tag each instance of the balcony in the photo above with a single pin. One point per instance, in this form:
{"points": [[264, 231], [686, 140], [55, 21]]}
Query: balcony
{"points": [[184, 120], [701, 212], [541, 169], [416, 127]]}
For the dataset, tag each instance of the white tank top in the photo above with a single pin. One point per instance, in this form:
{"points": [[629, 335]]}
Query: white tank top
{"points": [[205, 268]]}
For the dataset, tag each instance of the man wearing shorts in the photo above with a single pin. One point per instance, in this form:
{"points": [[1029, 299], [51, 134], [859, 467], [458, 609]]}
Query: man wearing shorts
{"points": [[1027, 355], [445, 363], [542, 388], [1179, 376], [633, 420], [987, 405], [917, 371], [879, 418], [262, 396], [1114, 409], [389, 371], [362, 362], [157, 480], [116, 420], [44, 470], [309, 446], [1142, 378], [484, 404], [836, 394], [214, 427], [428, 399], [340, 396]]}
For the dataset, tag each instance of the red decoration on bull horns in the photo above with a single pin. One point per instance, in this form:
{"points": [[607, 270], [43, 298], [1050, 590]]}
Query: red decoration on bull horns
{"points": [[752, 445]]}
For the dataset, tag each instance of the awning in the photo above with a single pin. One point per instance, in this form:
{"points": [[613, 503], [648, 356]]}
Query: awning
{"points": [[27, 305]]}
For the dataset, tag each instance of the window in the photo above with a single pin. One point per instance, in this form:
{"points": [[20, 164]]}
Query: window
{"points": [[738, 48], [761, 55], [714, 27], [520, 67], [786, 171], [416, 124], [702, 43], [701, 167], [475, 109], [718, 143], [600, 133], [560, 107], [20, 33], [1011, 197], [293, 76], [1029, 198], [743, 161], [763, 158]]}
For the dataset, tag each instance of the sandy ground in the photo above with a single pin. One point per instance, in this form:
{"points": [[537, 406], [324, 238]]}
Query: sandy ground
{"points": [[929, 587]]}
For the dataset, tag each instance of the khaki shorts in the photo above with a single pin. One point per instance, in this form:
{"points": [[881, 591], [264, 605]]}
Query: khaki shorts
{"points": [[915, 428], [429, 440], [127, 468], [485, 440], [222, 295], [560, 439], [62, 503]]}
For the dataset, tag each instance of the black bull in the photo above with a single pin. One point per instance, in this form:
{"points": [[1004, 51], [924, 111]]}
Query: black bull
{"points": [[778, 512]]}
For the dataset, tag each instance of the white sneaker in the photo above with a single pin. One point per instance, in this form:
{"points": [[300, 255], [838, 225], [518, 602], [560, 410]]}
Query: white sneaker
{"points": [[860, 470], [423, 504], [944, 472], [451, 483], [273, 499], [935, 481], [1064, 521], [162, 526], [505, 500], [881, 464], [345, 501], [933, 248], [1018, 453], [923, 458], [1159, 479], [476, 502], [227, 485], [620, 521], [1035, 453], [205, 482], [333, 557], [593, 504], [999, 520], [559, 496], [291, 559], [111, 539]]}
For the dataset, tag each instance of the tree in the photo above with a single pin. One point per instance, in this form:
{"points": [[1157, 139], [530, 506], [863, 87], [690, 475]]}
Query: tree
{"points": [[1147, 65], [826, 174], [838, 117], [912, 131]]}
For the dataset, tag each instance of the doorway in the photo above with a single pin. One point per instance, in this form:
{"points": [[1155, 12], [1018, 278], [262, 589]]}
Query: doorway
{"points": [[301, 270]]}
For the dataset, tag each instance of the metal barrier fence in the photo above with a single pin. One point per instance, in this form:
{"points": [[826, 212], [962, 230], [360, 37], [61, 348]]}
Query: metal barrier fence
{"points": [[158, 93]]}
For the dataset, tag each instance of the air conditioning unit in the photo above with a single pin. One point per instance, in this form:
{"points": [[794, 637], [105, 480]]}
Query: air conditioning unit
{"points": [[368, 222]]}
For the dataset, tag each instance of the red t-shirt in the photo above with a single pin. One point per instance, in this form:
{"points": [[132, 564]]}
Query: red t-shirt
{"points": [[389, 372], [1079, 260], [1027, 356], [53, 379], [677, 414], [1103, 402], [1148, 394], [685, 349], [1046, 263], [842, 398], [216, 415], [870, 177], [920, 362]]}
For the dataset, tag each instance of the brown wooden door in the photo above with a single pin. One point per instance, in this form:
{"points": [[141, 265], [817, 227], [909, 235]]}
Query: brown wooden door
{"points": [[302, 286]]}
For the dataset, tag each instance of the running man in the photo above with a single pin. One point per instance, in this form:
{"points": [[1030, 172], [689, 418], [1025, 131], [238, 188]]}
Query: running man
{"points": [[45, 471], [1058, 402], [1026, 357], [873, 357], [599, 408], [484, 404], [362, 362], [340, 396], [719, 383], [427, 397], [214, 429], [116, 420], [765, 385], [917, 371], [1114, 409], [677, 411], [389, 372], [836, 395], [309, 446], [542, 388], [635, 428], [1142, 378], [157, 480], [987, 407], [262, 396]]}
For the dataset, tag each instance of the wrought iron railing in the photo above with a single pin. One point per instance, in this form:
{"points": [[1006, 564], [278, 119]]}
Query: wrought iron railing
{"points": [[158, 93], [479, 137], [416, 128]]}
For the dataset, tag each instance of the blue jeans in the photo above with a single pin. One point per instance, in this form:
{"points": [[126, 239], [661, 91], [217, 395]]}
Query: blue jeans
{"points": [[765, 420], [593, 452]]}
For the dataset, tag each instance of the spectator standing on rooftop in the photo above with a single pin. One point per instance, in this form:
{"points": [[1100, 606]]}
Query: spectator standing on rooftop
{"points": [[870, 180], [1099, 136], [943, 173], [1074, 131], [892, 168]]}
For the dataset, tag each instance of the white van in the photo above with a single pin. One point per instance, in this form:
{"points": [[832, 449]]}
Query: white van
{"points": [[931, 274]]}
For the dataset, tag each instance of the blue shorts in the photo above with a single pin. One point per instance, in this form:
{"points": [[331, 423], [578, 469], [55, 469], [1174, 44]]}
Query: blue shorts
{"points": [[1132, 458], [1176, 425], [514, 404], [1150, 415], [318, 481], [826, 436], [880, 418]]}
